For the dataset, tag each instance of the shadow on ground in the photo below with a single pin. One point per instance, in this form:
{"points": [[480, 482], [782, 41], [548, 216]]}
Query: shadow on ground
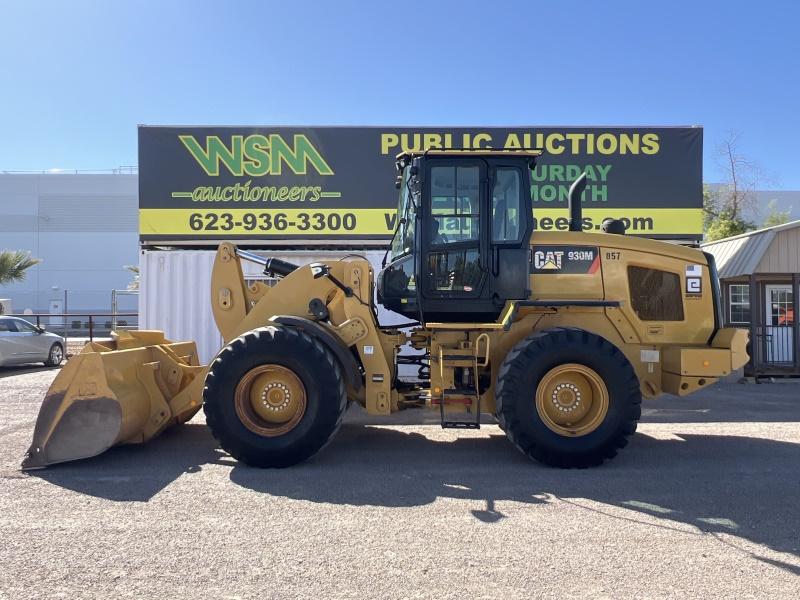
{"points": [[24, 369], [729, 403], [136, 473], [744, 486]]}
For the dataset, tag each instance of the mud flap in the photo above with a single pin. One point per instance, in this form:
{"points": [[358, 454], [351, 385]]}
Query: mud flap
{"points": [[124, 392]]}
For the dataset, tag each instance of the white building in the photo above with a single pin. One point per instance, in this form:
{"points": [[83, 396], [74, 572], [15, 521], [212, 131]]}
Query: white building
{"points": [[83, 227]]}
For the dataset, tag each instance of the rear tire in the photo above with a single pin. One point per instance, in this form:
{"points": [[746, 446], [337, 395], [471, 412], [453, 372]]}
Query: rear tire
{"points": [[532, 411], [296, 371], [55, 356]]}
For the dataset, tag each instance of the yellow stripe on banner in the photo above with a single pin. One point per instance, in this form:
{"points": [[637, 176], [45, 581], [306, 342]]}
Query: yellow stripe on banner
{"points": [[267, 222], [381, 222], [657, 221]]}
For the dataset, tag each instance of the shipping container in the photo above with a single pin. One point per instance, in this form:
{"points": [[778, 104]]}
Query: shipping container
{"points": [[175, 291]]}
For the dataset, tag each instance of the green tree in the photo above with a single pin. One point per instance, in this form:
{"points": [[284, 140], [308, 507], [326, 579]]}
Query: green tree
{"points": [[720, 220], [775, 216], [727, 224], [13, 264], [710, 208]]}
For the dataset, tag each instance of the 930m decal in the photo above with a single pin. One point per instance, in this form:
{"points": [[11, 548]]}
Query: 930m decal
{"points": [[567, 260]]}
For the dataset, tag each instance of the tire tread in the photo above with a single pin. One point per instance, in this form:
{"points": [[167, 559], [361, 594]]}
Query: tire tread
{"points": [[282, 341], [508, 392]]}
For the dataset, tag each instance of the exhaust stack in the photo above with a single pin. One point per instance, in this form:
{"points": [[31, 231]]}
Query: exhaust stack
{"points": [[574, 203]]}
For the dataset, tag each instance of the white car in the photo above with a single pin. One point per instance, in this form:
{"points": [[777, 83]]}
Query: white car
{"points": [[22, 342]]}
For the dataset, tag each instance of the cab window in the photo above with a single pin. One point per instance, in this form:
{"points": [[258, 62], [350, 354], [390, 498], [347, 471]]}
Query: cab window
{"points": [[506, 200], [455, 207], [455, 270]]}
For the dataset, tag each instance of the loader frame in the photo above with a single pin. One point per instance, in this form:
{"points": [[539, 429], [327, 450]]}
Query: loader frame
{"points": [[559, 334], [369, 353]]}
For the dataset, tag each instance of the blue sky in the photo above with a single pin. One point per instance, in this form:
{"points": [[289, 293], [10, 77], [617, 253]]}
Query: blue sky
{"points": [[77, 77]]}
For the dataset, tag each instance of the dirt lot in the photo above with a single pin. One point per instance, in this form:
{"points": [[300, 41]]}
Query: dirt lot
{"points": [[705, 502]]}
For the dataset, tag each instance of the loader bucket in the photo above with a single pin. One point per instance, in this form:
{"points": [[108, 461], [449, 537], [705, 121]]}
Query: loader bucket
{"points": [[124, 392]]}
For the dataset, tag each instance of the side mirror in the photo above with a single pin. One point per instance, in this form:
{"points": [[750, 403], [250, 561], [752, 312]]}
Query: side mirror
{"points": [[40, 330]]}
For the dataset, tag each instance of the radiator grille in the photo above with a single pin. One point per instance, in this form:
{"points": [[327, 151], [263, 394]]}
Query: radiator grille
{"points": [[655, 295]]}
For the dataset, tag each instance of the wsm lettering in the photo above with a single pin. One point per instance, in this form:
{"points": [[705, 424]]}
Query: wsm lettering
{"points": [[256, 155]]}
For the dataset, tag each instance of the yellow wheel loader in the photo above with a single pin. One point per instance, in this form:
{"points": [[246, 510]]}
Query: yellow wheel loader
{"points": [[558, 334]]}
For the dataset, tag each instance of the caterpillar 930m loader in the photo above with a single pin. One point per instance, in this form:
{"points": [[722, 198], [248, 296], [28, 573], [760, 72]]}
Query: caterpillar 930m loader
{"points": [[558, 334]]}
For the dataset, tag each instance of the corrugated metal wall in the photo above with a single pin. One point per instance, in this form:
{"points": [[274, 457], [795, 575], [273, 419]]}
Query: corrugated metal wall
{"points": [[783, 254], [739, 255], [772, 250], [83, 227], [87, 212], [175, 292], [174, 296]]}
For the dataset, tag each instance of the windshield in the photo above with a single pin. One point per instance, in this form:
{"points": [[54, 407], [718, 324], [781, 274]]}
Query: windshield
{"points": [[404, 239]]}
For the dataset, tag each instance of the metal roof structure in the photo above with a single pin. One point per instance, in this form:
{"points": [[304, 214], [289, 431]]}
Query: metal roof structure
{"points": [[741, 254]]}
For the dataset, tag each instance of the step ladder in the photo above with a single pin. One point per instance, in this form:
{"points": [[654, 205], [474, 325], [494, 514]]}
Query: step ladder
{"points": [[469, 357]]}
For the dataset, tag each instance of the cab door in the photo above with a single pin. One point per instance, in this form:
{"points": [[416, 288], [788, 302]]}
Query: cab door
{"points": [[474, 233], [454, 245], [510, 231]]}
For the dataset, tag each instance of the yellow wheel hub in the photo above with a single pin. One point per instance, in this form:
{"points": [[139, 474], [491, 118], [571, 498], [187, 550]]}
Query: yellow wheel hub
{"points": [[270, 400], [572, 400]]}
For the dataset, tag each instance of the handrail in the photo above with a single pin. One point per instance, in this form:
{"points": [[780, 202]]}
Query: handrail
{"points": [[112, 317], [94, 314], [121, 170]]}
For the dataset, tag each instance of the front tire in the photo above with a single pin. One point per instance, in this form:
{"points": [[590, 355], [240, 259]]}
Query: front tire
{"points": [[55, 356], [568, 398], [274, 397]]}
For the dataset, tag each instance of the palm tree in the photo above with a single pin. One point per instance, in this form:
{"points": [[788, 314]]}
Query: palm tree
{"points": [[13, 264], [134, 284]]}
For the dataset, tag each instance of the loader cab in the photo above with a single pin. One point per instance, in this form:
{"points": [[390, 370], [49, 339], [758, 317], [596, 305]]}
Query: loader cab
{"points": [[461, 248]]}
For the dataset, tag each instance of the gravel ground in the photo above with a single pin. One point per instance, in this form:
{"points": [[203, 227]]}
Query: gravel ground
{"points": [[705, 502]]}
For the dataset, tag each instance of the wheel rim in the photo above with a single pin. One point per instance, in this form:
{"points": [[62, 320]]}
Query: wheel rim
{"points": [[56, 355], [572, 400], [270, 400]]}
